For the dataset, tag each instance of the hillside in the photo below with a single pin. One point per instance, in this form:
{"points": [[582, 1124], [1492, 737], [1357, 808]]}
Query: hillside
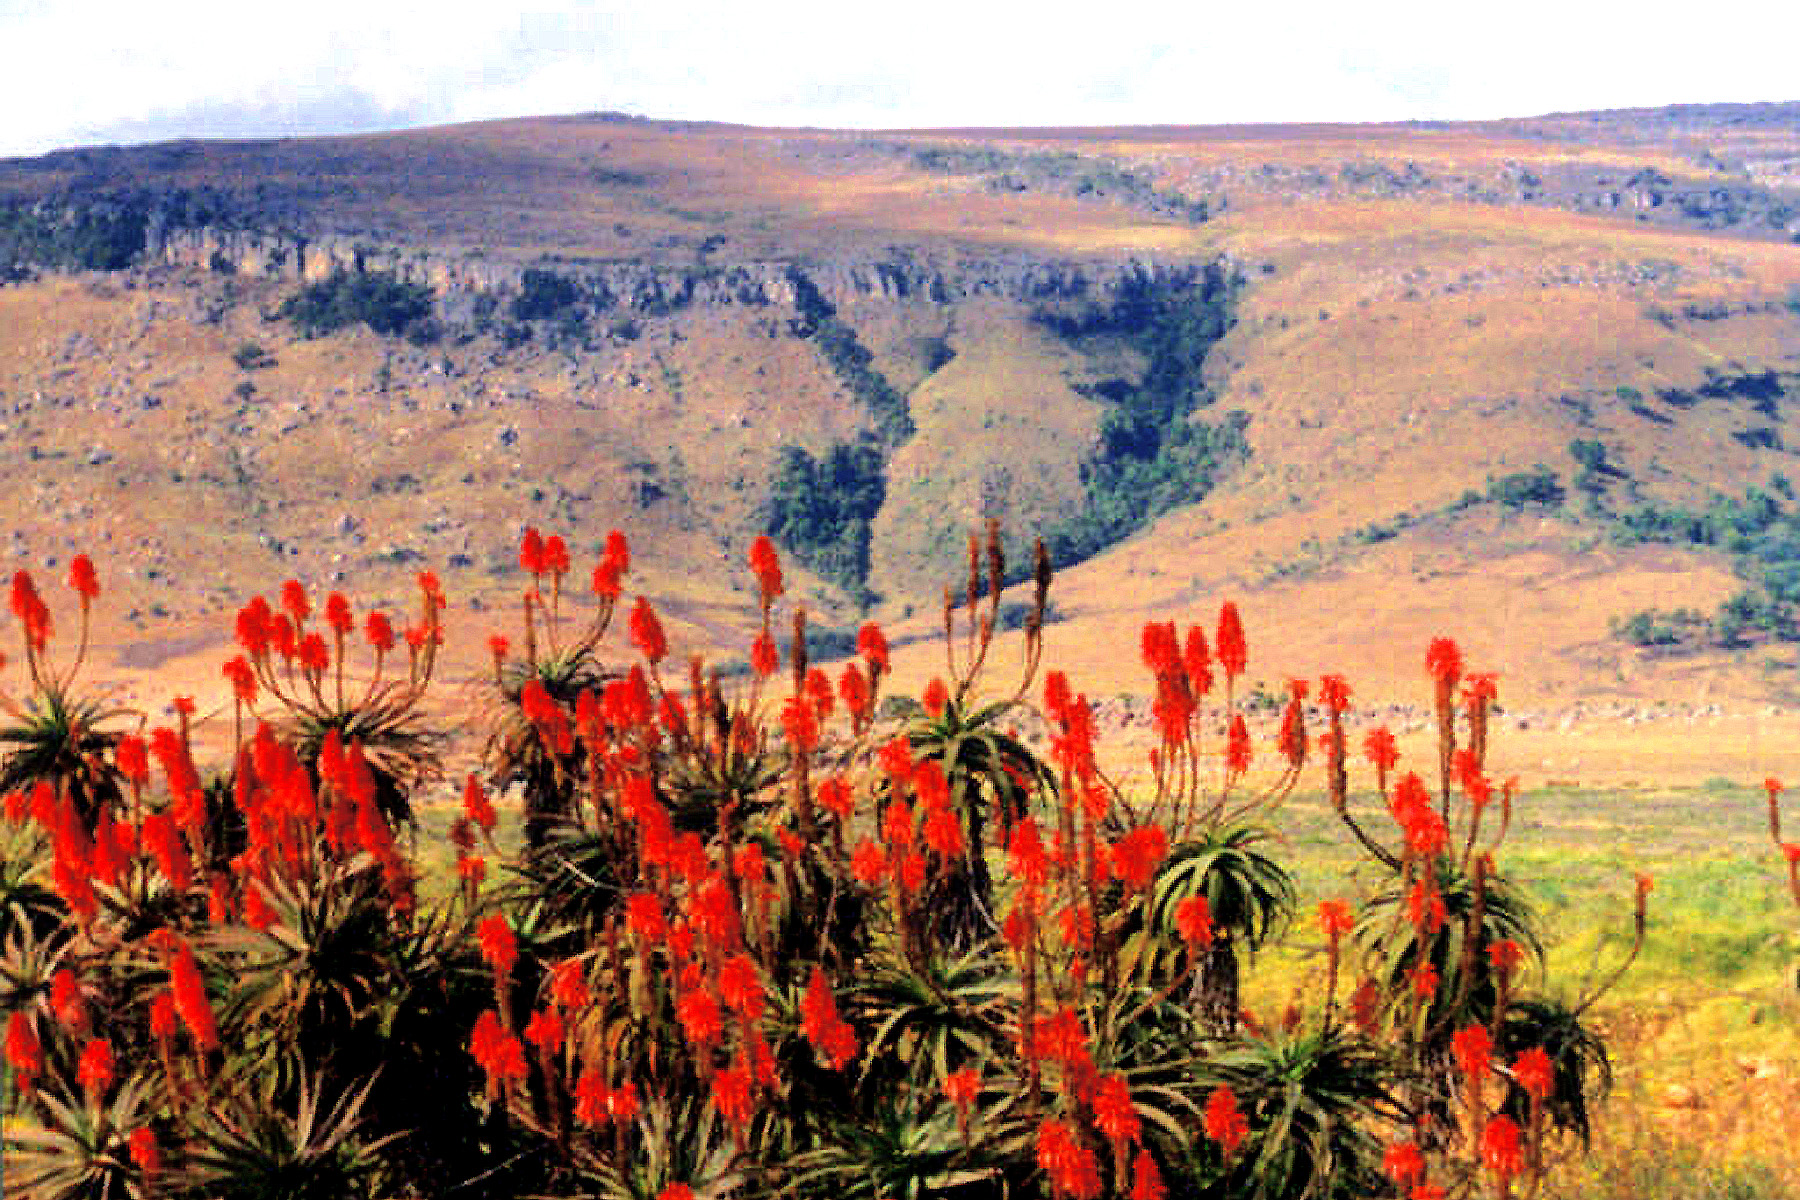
{"points": [[1376, 382]]}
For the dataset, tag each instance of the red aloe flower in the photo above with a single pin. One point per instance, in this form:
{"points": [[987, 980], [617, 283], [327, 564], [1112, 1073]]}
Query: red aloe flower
{"points": [[734, 1094], [1500, 1147], [1237, 746], [1404, 1164], [1443, 662], [568, 985], [765, 659], [1292, 739], [895, 757], [1146, 1180], [499, 947], [831, 1035], [294, 601], [1380, 749], [379, 631], [1160, 650], [132, 759], [766, 566], [854, 690], [1197, 663], [1136, 856], [936, 698], [476, 804], [961, 1087], [315, 656], [835, 797], [83, 579], [545, 1031], [1535, 1073], [868, 863], [622, 1103], [591, 1094], [614, 562], [644, 917], [1225, 1124], [337, 614], [1114, 1113], [1068, 1163], [909, 871], [872, 645], [1030, 862], [943, 832], [556, 556], [146, 1156], [647, 633], [1473, 1051], [1229, 642], [95, 1071], [531, 552], [190, 998], [1336, 919], [67, 1004], [243, 679], [1425, 907], [1193, 920], [30, 609], [741, 988], [24, 1053]]}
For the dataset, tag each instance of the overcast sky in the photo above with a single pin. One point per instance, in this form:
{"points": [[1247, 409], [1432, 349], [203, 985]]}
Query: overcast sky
{"points": [[78, 72]]}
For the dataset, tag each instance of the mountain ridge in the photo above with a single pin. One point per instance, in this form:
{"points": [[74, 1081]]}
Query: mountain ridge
{"points": [[616, 337]]}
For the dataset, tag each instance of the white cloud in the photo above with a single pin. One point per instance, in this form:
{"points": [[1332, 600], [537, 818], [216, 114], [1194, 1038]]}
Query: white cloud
{"points": [[81, 70]]}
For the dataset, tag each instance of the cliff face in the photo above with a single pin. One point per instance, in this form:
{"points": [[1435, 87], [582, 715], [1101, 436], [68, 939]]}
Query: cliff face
{"points": [[900, 276]]}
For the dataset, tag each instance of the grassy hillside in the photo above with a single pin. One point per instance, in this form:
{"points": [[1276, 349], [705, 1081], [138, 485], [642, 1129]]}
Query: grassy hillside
{"points": [[1452, 363]]}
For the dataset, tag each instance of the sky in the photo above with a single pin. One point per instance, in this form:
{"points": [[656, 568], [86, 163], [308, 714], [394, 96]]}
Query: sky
{"points": [[83, 72]]}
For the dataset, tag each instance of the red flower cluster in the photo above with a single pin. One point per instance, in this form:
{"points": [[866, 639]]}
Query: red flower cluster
{"points": [[1193, 920], [962, 1086], [1473, 1051], [24, 1053], [1421, 824], [832, 1037], [1225, 1124], [95, 1070], [598, 1104], [1183, 677], [615, 561], [766, 566], [1336, 919], [1234, 655], [1067, 1162], [499, 1053], [1501, 1150], [32, 612], [1535, 1074], [1136, 856]]}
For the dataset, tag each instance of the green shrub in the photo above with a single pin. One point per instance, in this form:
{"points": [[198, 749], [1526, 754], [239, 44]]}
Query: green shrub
{"points": [[383, 301], [1155, 454], [250, 356], [821, 509], [544, 296], [1536, 486]]}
